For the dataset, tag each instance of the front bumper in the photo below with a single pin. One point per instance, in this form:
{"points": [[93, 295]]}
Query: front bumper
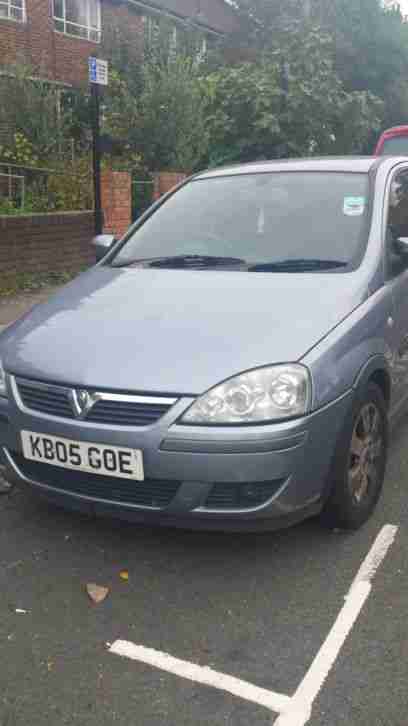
{"points": [[288, 462]]}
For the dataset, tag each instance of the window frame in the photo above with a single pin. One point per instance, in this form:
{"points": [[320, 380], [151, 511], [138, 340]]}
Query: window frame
{"points": [[388, 272], [152, 32], [89, 29], [353, 264], [10, 5]]}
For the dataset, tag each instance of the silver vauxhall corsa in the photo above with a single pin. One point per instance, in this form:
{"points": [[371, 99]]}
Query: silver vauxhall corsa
{"points": [[233, 362]]}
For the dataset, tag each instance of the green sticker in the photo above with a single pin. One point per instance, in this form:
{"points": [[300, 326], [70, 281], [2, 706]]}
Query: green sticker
{"points": [[354, 206]]}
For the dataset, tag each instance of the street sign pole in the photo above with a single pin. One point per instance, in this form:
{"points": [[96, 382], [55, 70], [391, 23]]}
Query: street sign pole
{"points": [[98, 76], [96, 157]]}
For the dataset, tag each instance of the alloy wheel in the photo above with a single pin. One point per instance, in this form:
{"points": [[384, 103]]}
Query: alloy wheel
{"points": [[367, 445]]}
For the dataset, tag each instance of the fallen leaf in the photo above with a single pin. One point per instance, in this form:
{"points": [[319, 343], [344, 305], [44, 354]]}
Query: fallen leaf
{"points": [[124, 575], [97, 593]]}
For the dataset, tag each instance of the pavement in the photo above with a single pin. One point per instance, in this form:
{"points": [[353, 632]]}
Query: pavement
{"points": [[13, 306], [255, 607]]}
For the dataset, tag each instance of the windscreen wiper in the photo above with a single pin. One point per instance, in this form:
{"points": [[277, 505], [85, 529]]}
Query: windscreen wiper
{"points": [[186, 261], [297, 265]]}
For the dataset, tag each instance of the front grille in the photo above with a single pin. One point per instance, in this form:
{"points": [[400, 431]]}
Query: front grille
{"points": [[54, 401], [241, 496], [154, 493], [126, 414], [51, 400]]}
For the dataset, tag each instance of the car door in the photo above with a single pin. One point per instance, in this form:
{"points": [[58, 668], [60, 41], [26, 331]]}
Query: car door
{"points": [[397, 279]]}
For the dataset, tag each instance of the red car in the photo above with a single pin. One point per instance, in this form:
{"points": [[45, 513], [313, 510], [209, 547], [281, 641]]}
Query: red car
{"points": [[393, 142]]}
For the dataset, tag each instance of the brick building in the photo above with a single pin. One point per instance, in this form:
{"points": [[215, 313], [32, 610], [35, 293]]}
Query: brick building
{"points": [[56, 37]]}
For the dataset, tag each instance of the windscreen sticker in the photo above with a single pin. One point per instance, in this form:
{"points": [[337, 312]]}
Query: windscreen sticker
{"points": [[354, 206]]}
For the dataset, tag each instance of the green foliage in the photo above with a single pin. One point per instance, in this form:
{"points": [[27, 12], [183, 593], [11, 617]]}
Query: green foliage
{"points": [[175, 112], [40, 121], [243, 119], [24, 282], [166, 122], [71, 188], [30, 110], [323, 78], [369, 50], [67, 188], [9, 208], [255, 115], [21, 151]]}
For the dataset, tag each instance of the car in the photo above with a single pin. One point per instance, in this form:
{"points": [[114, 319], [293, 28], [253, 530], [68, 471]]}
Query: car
{"points": [[393, 142], [234, 362]]}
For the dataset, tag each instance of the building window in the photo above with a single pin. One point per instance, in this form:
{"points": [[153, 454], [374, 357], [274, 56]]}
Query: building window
{"points": [[12, 10], [166, 35], [81, 18], [152, 29]]}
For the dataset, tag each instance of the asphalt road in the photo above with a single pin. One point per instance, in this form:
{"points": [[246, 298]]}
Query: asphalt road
{"points": [[257, 607]]}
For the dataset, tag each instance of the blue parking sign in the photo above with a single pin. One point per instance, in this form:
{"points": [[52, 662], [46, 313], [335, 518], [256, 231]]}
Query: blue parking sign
{"points": [[98, 71], [92, 70]]}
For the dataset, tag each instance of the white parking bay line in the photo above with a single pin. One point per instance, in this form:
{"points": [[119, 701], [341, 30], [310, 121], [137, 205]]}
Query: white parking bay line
{"points": [[202, 674], [295, 710], [300, 709]]}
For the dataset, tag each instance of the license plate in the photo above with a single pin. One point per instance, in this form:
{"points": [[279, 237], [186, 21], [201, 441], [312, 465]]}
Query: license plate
{"points": [[83, 456]]}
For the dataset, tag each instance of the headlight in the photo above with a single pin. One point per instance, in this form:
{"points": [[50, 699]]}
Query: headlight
{"points": [[2, 381], [265, 394]]}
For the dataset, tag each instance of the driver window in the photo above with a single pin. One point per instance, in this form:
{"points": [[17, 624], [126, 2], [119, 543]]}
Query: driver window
{"points": [[397, 223]]}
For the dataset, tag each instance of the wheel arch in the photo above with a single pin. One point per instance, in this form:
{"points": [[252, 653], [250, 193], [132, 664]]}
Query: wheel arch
{"points": [[376, 370]]}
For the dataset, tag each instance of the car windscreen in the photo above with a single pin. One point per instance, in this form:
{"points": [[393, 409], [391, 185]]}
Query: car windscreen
{"points": [[258, 219], [395, 146]]}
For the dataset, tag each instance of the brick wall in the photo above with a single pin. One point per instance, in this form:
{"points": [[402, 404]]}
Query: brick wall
{"points": [[65, 59], [116, 202], [165, 181], [45, 243], [61, 57]]}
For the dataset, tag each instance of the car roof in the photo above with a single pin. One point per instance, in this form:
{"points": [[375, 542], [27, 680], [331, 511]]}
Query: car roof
{"points": [[354, 164], [397, 130]]}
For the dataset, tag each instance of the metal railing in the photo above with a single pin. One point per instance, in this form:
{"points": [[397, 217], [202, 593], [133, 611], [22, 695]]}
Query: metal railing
{"points": [[39, 190], [142, 196], [12, 189]]}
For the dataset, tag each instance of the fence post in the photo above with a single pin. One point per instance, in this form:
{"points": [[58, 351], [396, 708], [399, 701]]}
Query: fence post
{"points": [[164, 181], [116, 201]]}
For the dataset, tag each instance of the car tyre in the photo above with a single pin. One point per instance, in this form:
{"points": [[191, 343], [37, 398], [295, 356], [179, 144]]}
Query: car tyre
{"points": [[358, 469]]}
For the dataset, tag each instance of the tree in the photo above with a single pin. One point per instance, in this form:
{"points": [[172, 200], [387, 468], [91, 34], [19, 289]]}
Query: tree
{"points": [[39, 112], [370, 42], [262, 21], [165, 122], [371, 49], [255, 115]]}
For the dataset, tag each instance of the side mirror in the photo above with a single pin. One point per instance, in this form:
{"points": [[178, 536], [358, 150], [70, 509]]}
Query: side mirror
{"points": [[102, 244], [401, 246]]}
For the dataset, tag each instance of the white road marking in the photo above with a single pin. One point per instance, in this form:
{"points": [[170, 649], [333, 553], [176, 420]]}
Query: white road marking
{"points": [[201, 674], [300, 709], [378, 551], [295, 710]]}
